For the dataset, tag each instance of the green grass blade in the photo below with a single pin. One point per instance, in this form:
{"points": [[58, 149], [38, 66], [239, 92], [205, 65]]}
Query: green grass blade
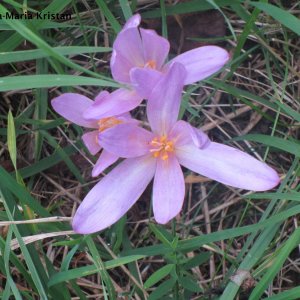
{"points": [[20, 192], [228, 233], [14, 40], [294, 196], [40, 43], [41, 107], [282, 16], [125, 9], [197, 242], [189, 284], [158, 275], [277, 263], [250, 23], [9, 283], [109, 16], [292, 294], [188, 7], [291, 112], [249, 257], [46, 81], [279, 143], [15, 261], [162, 289], [196, 260], [88, 270], [16, 56], [101, 268], [46, 162], [11, 139], [26, 254], [215, 6], [65, 157], [242, 94], [163, 19]]}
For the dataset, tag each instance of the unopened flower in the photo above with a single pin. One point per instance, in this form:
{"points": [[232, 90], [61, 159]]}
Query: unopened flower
{"points": [[140, 55], [159, 154], [72, 106]]}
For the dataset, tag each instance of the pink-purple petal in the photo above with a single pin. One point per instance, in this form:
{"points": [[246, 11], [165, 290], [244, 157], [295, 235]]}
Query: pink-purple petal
{"points": [[201, 62], [164, 101], [133, 21], [128, 44], [143, 80], [229, 166], [120, 67], [156, 48], [126, 140], [113, 196], [127, 118], [90, 140], [105, 160], [183, 133], [101, 96], [116, 103], [168, 189], [71, 106]]}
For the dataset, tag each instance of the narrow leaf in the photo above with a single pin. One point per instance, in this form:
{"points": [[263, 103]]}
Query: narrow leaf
{"points": [[158, 275], [43, 81], [11, 139], [282, 16]]}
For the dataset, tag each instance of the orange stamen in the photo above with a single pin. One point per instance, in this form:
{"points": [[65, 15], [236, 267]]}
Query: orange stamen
{"points": [[109, 122], [150, 64], [161, 147]]}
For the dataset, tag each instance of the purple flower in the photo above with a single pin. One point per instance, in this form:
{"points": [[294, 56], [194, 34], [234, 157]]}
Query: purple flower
{"points": [[159, 154], [72, 106], [140, 55]]}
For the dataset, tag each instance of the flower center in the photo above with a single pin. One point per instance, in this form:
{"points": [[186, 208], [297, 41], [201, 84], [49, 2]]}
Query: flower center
{"points": [[109, 122], [150, 64], [161, 147]]}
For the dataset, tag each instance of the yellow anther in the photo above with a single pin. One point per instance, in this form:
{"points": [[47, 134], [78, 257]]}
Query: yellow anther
{"points": [[169, 147], [109, 122], [161, 147], [155, 142], [163, 139], [156, 154], [150, 64], [164, 156]]}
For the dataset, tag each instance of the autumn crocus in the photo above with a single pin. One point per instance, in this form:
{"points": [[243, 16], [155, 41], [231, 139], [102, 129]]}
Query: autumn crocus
{"points": [[143, 49], [159, 153], [72, 106]]}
